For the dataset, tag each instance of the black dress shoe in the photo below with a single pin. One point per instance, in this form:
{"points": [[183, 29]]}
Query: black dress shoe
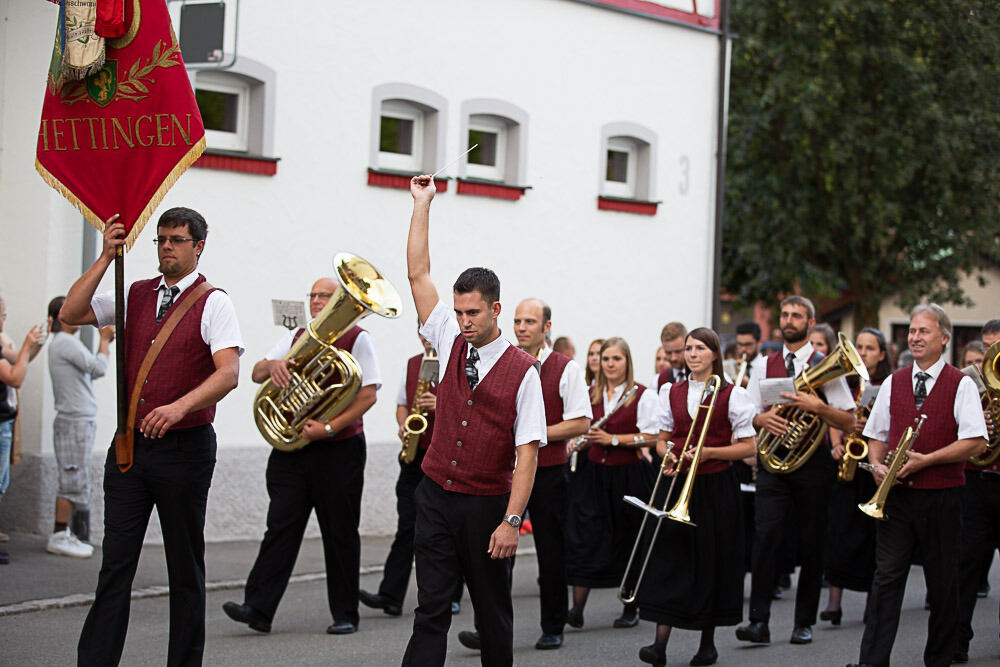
{"points": [[377, 601], [244, 613], [456, 608], [983, 592], [469, 639], [342, 628], [628, 619], [4, 557], [960, 656], [706, 658], [575, 618], [860, 664], [546, 642], [653, 654], [832, 616], [802, 634], [755, 631], [776, 594]]}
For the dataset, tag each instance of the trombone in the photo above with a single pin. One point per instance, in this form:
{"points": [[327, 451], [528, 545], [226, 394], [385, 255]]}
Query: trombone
{"points": [[742, 372], [680, 511]]}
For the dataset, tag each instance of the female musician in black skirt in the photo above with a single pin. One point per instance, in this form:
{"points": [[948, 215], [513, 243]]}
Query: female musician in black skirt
{"points": [[850, 542], [600, 526], [694, 579]]}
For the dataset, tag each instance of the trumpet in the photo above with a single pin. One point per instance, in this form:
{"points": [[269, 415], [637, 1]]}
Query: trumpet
{"points": [[681, 509], [875, 507], [741, 373], [855, 447], [415, 424], [578, 443]]}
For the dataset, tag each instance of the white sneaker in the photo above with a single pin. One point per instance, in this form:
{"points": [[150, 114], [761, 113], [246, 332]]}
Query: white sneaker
{"points": [[64, 543]]}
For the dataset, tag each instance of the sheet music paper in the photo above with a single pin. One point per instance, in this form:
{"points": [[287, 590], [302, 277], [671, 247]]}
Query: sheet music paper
{"points": [[771, 389]]}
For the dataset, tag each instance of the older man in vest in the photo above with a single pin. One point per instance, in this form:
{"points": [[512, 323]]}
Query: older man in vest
{"points": [[172, 453], [326, 475], [490, 415], [924, 510]]}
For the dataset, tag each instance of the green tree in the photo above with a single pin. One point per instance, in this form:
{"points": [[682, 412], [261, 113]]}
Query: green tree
{"points": [[863, 149]]}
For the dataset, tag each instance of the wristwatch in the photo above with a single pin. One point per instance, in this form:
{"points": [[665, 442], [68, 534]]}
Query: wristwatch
{"points": [[614, 440], [329, 429], [514, 520]]}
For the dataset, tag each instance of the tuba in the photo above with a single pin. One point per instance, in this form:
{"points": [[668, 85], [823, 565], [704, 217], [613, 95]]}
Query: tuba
{"points": [[855, 446], [415, 423], [875, 507], [988, 381], [787, 453], [324, 378], [680, 511]]}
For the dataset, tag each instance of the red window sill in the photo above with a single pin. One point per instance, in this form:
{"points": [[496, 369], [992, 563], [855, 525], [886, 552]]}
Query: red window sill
{"points": [[627, 205], [247, 164], [398, 179], [495, 190]]}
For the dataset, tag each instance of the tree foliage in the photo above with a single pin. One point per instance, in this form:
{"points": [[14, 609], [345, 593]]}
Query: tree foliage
{"points": [[864, 149]]}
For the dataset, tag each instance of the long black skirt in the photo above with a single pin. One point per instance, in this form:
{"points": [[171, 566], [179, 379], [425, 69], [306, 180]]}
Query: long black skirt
{"points": [[694, 579], [600, 527], [850, 542]]}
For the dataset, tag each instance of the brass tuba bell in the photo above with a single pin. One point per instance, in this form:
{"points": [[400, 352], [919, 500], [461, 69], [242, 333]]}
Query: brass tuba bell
{"points": [[988, 381], [324, 378]]}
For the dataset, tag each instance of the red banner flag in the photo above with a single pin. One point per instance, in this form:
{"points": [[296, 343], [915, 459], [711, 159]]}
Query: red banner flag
{"points": [[116, 141]]}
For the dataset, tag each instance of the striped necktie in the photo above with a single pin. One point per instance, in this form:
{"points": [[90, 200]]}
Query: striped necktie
{"points": [[920, 391], [169, 294], [471, 374], [790, 364]]}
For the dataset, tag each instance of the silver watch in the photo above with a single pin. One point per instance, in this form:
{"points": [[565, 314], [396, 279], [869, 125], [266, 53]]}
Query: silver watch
{"points": [[614, 440], [514, 520]]}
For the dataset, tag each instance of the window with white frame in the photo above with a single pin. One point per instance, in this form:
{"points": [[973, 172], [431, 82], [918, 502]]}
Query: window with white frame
{"points": [[628, 162], [620, 168], [400, 137], [405, 133], [225, 110], [501, 131], [488, 160]]}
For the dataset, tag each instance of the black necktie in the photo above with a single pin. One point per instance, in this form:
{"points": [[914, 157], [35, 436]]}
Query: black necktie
{"points": [[920, 391], [790, 364], [471, 374], [169, 294]]}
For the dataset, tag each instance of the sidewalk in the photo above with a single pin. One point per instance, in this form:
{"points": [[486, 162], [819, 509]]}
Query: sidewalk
{"points": [[35, 579]]}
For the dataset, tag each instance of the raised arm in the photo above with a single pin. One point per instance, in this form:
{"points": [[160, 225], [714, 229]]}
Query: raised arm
{"points": [[76, 309], [418, 256]]}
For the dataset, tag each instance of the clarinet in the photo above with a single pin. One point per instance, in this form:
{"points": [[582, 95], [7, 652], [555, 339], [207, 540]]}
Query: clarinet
{"points": [[579, 442]]}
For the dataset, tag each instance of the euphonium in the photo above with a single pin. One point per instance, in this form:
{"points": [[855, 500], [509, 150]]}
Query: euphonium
{"points": [[415, 423], [855, 446], [324, 379], [988, 381], [806, 430], [875, 507], [680, 511]]}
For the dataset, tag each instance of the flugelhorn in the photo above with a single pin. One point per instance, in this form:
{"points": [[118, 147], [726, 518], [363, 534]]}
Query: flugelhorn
{"points": [[987, 380], [324, 379], [680, 511], [875, 507], [855, 446], [415, 423], [806, 430], [578, 443]]}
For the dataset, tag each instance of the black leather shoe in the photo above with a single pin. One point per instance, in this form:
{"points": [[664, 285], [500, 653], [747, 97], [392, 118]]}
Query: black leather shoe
{"points": [[342, 628], [802, 634], [547, 642], [376, 601], [776, 594], [755, 631], [575, 618], [456, 608], [960, 656], [860, 664], [832, 616], [626, 620], [653, 655], [983, 592], [469, 640], [706, 658], [244, 613]]}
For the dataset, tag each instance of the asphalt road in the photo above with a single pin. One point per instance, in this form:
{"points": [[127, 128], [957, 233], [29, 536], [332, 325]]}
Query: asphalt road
{"points": [[298, 637]]}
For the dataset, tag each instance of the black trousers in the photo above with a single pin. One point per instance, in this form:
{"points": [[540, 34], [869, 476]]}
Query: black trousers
{"points": [[547, 510], [328, 476], [795, 501], [173, 474], [932, 520], [452, 535], [980, 536]]}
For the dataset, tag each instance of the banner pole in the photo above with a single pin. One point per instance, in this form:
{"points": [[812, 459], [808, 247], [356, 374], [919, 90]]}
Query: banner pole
{"points": [[120, 336]]}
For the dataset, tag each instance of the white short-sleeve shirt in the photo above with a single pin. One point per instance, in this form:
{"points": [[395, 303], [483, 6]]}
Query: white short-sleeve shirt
{"points": [[836, 393], [572, 389], [363, 352], [741, 409]]}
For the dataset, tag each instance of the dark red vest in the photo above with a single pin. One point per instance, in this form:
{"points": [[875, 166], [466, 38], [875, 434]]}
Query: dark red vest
{"points": [[664, 377], [940, 429], [554, 453], [720, 432], [345, 343], [776, 364], [412, 376], [183, 363], [472, 450], [623, 421]]}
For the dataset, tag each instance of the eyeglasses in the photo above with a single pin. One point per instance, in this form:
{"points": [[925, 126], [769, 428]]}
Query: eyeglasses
{"points": [[172, 240], [319, 295]]}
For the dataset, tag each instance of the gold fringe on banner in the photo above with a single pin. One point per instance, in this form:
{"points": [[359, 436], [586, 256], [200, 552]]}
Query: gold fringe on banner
{"points": [[189, 158]]}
